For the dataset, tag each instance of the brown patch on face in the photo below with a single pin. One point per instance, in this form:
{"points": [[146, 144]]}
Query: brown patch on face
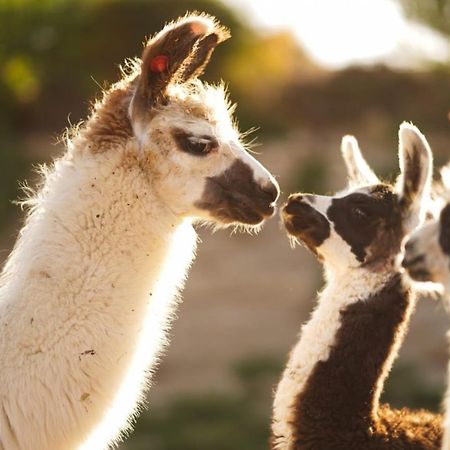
{"points": [[234, 196], [305, 222], [370, 223], [444, 230], [338, 407]]}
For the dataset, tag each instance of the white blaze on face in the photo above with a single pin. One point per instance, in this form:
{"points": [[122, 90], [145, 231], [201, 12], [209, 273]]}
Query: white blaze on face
{"points": [[319, 202], [260, 174], [336, 252]]}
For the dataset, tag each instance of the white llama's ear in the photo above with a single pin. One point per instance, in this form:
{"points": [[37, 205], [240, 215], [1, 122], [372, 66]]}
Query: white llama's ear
{"points": [[358, 171], [416, 171], [176, 54]]}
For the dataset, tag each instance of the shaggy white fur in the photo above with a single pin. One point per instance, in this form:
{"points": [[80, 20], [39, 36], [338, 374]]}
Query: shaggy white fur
{"points": [[88, 292], [85, 298]]}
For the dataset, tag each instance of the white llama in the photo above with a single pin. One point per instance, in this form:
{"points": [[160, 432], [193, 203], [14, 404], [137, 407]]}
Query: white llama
{"points": [[427, 259], [87, 294], [328, 397]]}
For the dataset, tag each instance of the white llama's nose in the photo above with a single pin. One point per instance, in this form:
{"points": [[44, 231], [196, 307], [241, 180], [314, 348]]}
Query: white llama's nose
{"points": [[263, 187], [263, 178]]}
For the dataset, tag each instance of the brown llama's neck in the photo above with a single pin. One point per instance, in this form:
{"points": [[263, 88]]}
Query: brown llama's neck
{"points": [[345, 388]]}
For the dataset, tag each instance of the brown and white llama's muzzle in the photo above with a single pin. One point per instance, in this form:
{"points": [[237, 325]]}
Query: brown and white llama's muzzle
{"points": [[427, 251], [240, 195], [304, 222]]}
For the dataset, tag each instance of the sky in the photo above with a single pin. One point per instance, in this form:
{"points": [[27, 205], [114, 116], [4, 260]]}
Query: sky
{"points": [[337, 33]]}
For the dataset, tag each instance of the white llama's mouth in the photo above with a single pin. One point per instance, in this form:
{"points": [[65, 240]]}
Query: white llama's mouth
{"points": [[236, 208], [235, 197], [416, 267]]}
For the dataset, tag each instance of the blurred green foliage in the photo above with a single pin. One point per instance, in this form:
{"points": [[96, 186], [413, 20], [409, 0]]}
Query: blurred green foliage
{"points": [[433, 13], [310, 176], [52, 52], [356, 96], [12, 164]]}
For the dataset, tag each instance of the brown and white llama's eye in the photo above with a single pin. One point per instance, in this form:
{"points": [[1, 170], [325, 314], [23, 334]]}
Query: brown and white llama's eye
{"points": [[360, 213], [195, 145]]}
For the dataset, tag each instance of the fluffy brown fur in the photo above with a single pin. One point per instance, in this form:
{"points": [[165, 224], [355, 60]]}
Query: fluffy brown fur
{"points": [[328, 397], [338, 409]]}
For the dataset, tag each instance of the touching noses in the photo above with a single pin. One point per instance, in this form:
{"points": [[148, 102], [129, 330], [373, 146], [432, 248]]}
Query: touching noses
{"points": [[271, 189], [266, 183]]}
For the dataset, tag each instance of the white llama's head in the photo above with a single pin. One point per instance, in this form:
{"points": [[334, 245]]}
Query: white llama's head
{"points": [[364, 226], [427, 251], [186, 135]]}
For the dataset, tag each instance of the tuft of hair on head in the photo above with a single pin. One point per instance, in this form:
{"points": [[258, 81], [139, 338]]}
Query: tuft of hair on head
{"points": [[359, 172]]}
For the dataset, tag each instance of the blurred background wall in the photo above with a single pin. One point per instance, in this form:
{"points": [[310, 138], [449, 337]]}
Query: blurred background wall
{"points": [[304, 73]]}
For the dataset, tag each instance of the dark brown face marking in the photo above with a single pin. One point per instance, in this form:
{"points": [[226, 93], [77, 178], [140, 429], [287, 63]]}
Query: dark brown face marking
{"points": [[370, 223], [194, 145], [305, 223], [337, 407], [234, 196], [444, 230]]}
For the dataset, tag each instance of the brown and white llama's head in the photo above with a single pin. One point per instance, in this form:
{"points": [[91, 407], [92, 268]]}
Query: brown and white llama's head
{"points": [[180, 130], [364, 226], [427, 251]]}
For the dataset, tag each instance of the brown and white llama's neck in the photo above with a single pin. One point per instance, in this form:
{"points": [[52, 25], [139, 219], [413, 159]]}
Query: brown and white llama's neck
{"points": [[335, 373], [89, 288], [446, 424]]}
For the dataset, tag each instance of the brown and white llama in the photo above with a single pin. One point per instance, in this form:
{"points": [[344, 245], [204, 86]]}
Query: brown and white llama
{"points": [[427, 259], [88, 292], [328, 397]]}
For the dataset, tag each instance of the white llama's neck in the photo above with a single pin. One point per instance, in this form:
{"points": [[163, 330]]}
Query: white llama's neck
{"points": [[85, 299], [318, 339]]}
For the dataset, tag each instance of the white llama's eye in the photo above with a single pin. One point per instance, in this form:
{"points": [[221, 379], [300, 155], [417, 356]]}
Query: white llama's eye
{"points": [[195, 145]]}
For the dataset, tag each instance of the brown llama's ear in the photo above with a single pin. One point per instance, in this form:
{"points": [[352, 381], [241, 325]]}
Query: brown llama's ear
{"points": [[176, 54]]}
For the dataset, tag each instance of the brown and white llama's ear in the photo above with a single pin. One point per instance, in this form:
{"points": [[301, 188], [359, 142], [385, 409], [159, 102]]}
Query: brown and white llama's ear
{"points": [[416, 170], [176, 54], [358, 171]]}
